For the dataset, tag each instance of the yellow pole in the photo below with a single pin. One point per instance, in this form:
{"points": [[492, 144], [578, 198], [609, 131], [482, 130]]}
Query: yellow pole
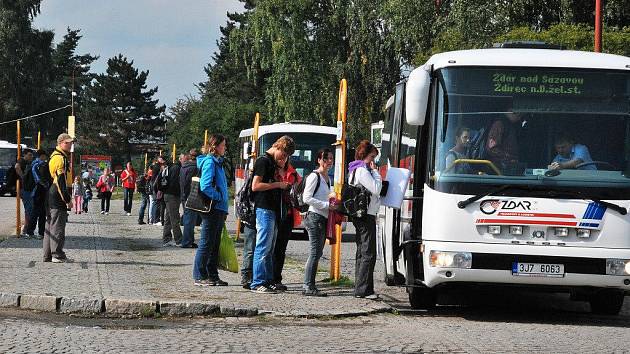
{"points": [[39, 139], [205, 138], [18, 217], [174, 153], [340, 162], [146, 159]]}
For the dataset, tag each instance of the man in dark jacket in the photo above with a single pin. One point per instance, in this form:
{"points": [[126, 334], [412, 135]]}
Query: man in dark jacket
{"points": [[172, 201], [188, 171]]}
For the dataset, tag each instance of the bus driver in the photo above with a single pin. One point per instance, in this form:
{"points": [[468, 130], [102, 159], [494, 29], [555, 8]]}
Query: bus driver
{"points": [[570, 155]]}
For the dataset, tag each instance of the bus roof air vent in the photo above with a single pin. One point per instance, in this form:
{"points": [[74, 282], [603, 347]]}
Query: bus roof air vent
{"points": [[528, 45], [299, 122]]}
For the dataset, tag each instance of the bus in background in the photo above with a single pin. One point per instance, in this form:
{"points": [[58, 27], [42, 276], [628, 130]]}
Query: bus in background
{"points": [[308, 139], [499, 214], [8, 157]]}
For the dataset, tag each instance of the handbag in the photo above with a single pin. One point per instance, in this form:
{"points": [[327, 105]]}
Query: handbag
{"points": [[196, 200], [355, 199]]}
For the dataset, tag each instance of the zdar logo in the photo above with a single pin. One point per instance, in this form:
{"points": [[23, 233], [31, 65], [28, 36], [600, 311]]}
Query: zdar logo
{"points": [[490, 206]]}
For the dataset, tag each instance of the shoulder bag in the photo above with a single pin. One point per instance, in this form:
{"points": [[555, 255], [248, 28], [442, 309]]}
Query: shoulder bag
{"points": [[196, 200]]}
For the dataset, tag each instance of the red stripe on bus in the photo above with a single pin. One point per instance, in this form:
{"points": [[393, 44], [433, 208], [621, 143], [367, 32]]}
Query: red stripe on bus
{"points": [[536, 215], [526, 222]]}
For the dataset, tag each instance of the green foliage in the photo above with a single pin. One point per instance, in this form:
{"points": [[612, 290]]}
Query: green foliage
{"points": [[121, 110]]}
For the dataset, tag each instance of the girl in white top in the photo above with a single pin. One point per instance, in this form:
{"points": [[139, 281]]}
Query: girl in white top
{"points": [[316, 195], [365, 173]]}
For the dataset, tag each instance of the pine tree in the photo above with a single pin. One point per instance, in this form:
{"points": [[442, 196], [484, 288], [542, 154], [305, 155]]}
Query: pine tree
{"points": [[121, 111]]}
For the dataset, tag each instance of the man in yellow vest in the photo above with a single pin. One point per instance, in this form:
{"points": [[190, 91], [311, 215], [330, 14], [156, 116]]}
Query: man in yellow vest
{"points": [[59, 201]]}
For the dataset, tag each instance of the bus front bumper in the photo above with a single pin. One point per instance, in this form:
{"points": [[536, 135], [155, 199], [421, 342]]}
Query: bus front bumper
{"points": [[498, 264]]}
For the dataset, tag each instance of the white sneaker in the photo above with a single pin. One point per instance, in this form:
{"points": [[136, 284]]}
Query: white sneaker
{"points": [[158, 223], [128, 214], [107, 213], [102, 212]]}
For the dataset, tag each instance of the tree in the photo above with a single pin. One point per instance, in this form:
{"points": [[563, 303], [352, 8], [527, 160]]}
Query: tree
{"points": [[121, 111]]}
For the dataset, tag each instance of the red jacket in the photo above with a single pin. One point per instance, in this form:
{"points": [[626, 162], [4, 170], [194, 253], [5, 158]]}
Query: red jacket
{"points": [[129, 179], [292, 177]]}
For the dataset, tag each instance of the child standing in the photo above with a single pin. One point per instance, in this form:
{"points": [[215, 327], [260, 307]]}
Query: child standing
{"points": [[87, 194], [77, 192]]}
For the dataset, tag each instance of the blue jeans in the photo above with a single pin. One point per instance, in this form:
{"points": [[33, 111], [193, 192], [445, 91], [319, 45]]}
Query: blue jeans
{"points": [[263, 254], [316, 227], [27, 201], [249, 243], [153, 209], [189, 220], [144, 202], [207, 256]]}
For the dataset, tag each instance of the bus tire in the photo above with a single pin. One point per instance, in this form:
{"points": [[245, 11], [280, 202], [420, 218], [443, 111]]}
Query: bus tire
{"points": [[606, 302], [422, 298]]}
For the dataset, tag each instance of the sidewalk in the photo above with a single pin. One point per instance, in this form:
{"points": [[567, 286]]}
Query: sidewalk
{"points": [[121, 268]]}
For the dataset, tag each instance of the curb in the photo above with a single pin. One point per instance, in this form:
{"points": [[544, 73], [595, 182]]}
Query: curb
{"points": [[144, 308]]}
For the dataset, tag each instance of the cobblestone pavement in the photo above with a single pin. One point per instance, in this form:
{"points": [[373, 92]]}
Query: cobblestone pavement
{"points": [[471, 331], [117, 258]]}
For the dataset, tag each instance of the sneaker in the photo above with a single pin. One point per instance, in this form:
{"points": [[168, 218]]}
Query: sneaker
{"points": [[218, 282], [178, 244], [158, 223], [25, 235], [168, 244], [61, 260], [128, 214], [369, 297], [314, 292], [107, 213], [202, 282], [261, 289], [102, 212], [278, 287], [141, 222], [246, 285]]}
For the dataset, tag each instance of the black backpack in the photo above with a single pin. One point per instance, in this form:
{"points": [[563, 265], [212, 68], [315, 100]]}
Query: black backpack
{"points": [[43, 172], [162, 180], [244, 203], [355, 200], [297, 194], [28, 180]]}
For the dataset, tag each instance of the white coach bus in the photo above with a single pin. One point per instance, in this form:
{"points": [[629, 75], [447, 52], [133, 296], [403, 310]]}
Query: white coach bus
{"points": [[499, 213]]}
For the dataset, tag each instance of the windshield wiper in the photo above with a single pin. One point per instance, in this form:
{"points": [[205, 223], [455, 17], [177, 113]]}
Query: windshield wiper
{"points": [[618, 208], [464, 203]]}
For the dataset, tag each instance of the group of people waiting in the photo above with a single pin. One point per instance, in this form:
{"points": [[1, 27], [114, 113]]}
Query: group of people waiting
{"points": [[266, 241]]}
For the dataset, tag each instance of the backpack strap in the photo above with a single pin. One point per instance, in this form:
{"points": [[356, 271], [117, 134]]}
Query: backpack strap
{"points": [[318, 182]]}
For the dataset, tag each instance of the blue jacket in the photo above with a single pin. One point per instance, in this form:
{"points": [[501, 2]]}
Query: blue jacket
{"points": [[211, 168]]}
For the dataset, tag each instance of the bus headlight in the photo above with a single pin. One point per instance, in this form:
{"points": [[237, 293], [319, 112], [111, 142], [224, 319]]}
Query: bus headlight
{"points": [[561, 231], [583, 233], [450, 259], [494, 229], [617, 266], [516, 230]]}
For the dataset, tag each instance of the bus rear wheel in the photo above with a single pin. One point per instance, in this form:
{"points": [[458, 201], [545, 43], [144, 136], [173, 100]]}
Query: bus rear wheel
{"points": [[422, 298], [606, 302]]}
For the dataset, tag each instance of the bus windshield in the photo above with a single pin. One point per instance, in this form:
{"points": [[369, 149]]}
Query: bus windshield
{"points": [[307, 144], [558, 130]]}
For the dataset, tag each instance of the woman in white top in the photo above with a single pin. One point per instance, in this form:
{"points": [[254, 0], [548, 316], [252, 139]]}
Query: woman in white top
{"points": [[363, 171], [316, 195]]}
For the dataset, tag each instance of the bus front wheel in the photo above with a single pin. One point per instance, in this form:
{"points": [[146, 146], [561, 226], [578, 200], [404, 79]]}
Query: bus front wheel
{"points": [[422, 298], [606, 302]]}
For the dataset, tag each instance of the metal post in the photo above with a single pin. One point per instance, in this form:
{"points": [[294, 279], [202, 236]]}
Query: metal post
{"points": [[205, 138], [340, 163], [598, 25], [39, 139], [146, 157], [174, 153], [18, 216]]}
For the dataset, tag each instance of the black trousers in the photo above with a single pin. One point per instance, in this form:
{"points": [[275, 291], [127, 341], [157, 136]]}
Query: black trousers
{"points": [[285, 227], [366, 255]]}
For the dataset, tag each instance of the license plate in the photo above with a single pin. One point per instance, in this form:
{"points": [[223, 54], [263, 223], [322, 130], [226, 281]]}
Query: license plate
{"points": [[538, 269]]}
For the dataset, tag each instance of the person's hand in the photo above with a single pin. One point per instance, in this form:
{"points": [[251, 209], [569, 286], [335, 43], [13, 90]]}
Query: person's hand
{"points": [[332, 195], [554, 166], [70, 205], [282, 185], [373, 165]]}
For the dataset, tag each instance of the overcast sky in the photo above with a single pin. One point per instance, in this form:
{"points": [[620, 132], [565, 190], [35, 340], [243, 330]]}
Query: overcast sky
{"points": [[174, 40]]}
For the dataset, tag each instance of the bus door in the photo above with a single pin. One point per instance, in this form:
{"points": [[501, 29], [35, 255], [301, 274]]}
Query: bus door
{"points": [[390, 220]]}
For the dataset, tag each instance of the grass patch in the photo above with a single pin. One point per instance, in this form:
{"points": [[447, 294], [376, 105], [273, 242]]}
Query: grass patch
{"points": [[343, 281]]}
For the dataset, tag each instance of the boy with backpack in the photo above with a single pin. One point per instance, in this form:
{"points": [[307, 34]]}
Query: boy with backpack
{"points": [[41, 177], [267, 201]]}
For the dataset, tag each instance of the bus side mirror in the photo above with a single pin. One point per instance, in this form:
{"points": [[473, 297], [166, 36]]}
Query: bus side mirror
{"points": [[417, 96]]}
